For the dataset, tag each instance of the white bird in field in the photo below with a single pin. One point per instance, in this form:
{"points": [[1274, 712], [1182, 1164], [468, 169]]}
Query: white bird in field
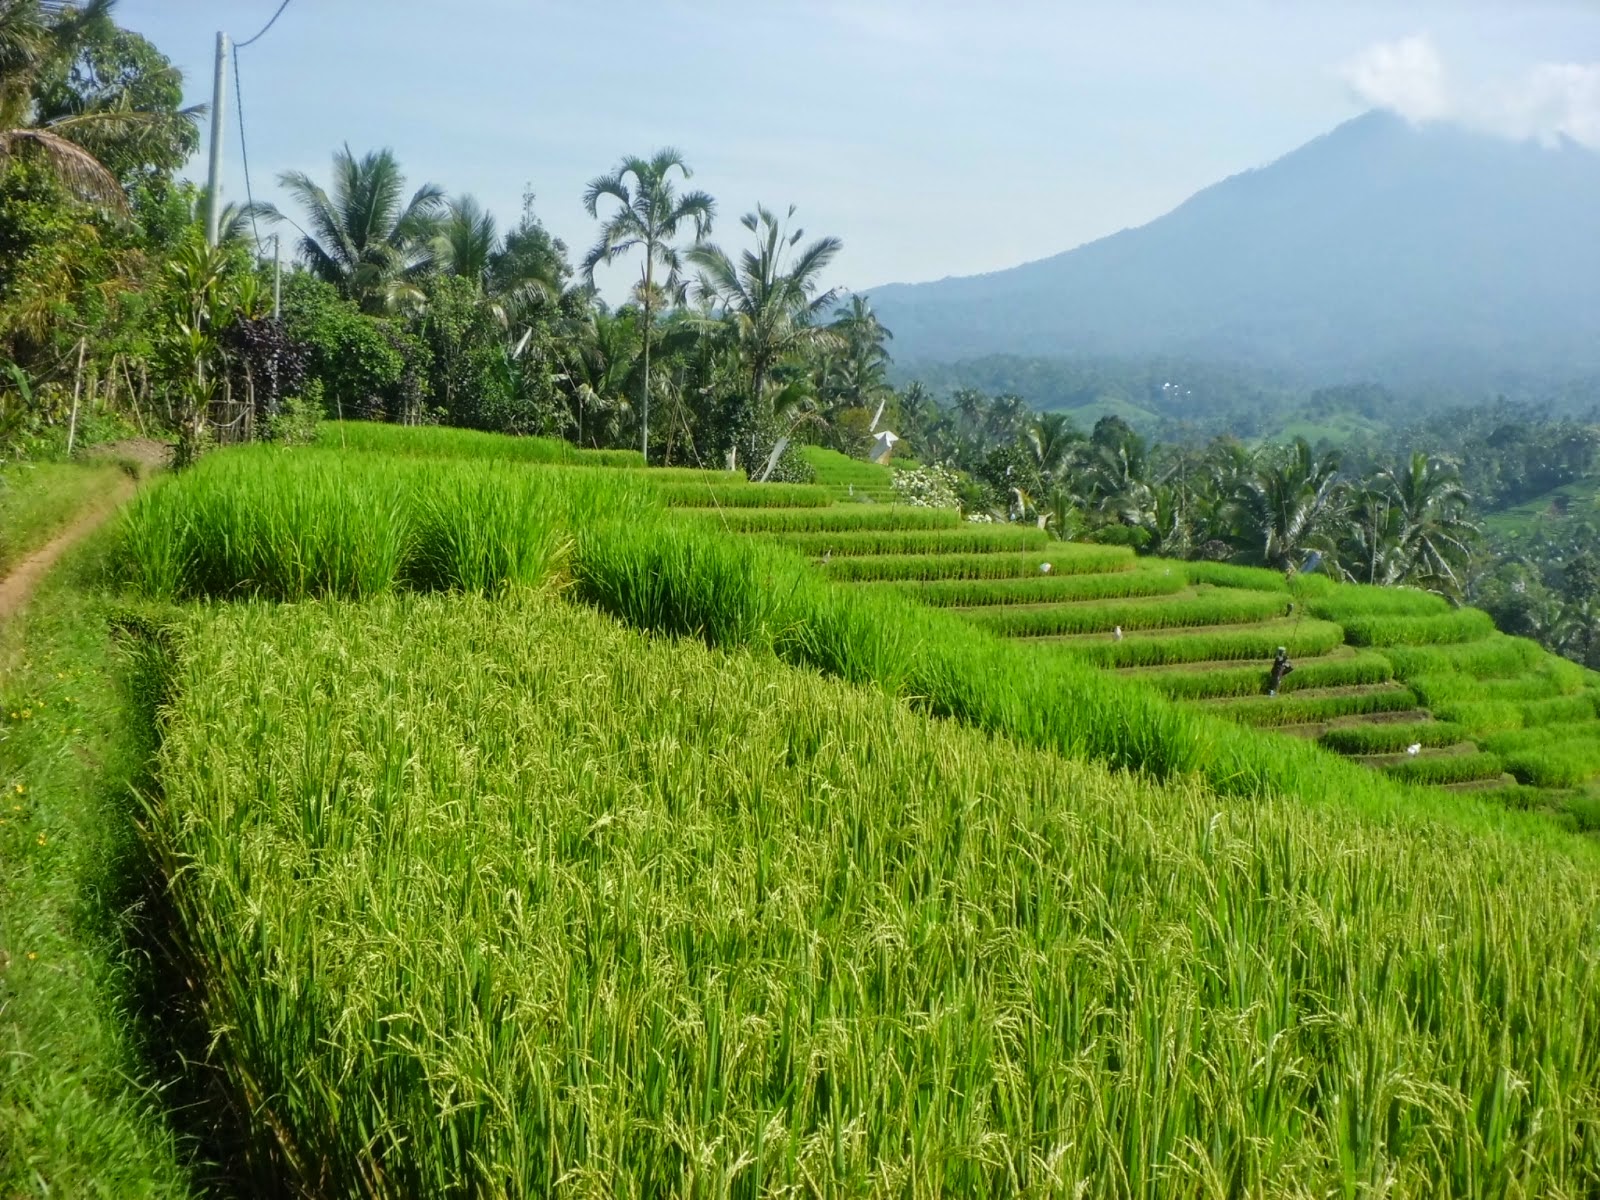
{"points": [[827, 557], [1116, 634], [1044, 568], [1414, 749]]}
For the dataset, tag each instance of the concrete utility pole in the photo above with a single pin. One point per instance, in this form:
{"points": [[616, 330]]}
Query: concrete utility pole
{"points": [[219, 94], [277, 279]]}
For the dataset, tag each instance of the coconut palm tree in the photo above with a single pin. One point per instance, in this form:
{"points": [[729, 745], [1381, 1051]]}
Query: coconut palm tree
{"points": [[469, 246], [770, 297], [649, 215], [1291, 504], [1051, 439], [365, 238], [40, 40], [1411, 526]]}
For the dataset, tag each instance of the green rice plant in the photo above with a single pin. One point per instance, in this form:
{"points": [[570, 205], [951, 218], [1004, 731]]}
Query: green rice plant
{"points": [[1039, 588], [1443, 689], [1269, 711], [709, 494], [1463, 625], [674, 476], [1567, 763], [1063, 559], [1215, 606], [1214, 683], [1442, 769], [440, 441], [966, 540], [1511, 741], [1350, 601], [503, 899], [291, 525], [1301, 639], [836, 470], [1390, 738], [1481, 717], [1559, 709], [1484, 658], [843, 518], [1256, 579]]}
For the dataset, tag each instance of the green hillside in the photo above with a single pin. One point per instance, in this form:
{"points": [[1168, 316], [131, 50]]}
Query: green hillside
{"points": [[530, 823]]}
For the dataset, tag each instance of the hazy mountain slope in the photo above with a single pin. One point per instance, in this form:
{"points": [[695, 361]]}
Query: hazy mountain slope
{"points": [[1379, 248]]}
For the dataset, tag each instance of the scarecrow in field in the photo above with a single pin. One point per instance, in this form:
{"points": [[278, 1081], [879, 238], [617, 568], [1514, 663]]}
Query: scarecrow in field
{"points": [[1281, 666]]}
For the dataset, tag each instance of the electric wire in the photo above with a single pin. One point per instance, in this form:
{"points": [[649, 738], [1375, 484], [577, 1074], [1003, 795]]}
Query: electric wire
{"points": [[264, 28]]}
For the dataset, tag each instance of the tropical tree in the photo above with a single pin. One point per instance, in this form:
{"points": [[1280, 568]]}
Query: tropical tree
{"points": [[366, 238], [648, 216], [1411, 525], [1052, 438], [1292, 503], [770, 298], [90, 99]]}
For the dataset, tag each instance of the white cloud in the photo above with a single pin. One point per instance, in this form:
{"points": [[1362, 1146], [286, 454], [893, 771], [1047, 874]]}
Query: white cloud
{"points": [[1553, 100], [1548, 101], [1406, 76]]}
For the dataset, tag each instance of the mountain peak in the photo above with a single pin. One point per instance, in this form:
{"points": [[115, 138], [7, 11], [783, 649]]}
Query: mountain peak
{"points": [[1381, 248]]}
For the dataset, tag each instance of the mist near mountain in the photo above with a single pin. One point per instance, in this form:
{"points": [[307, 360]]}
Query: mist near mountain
{"points": [[1413, 255]]}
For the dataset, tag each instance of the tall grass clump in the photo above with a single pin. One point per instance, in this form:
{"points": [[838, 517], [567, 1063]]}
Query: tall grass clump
{"points": [[1062, 559], [501, 899], [1217, 606]]}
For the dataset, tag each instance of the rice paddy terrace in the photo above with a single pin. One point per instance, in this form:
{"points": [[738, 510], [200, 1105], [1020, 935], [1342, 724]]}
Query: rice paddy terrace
{"points": [[531, 824], [1392, 678]]}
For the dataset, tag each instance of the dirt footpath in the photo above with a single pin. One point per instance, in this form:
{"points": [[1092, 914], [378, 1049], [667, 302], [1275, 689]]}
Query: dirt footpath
{"points": [[17, 587]]}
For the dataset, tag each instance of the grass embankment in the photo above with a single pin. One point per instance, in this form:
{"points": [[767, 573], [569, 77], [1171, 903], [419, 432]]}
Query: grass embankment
{"points": [[73, 1119], [38, 500], [722, 927]]}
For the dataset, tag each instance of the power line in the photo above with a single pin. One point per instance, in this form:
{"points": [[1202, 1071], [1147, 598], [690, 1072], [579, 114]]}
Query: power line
{"points": [[244, 151], [264, 28]]}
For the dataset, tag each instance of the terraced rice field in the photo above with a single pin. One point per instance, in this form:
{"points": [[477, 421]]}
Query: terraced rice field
{"points": [[1392, 678]]}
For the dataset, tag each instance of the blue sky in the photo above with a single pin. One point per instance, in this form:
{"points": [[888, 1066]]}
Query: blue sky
{"points": [[935, 137]]}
